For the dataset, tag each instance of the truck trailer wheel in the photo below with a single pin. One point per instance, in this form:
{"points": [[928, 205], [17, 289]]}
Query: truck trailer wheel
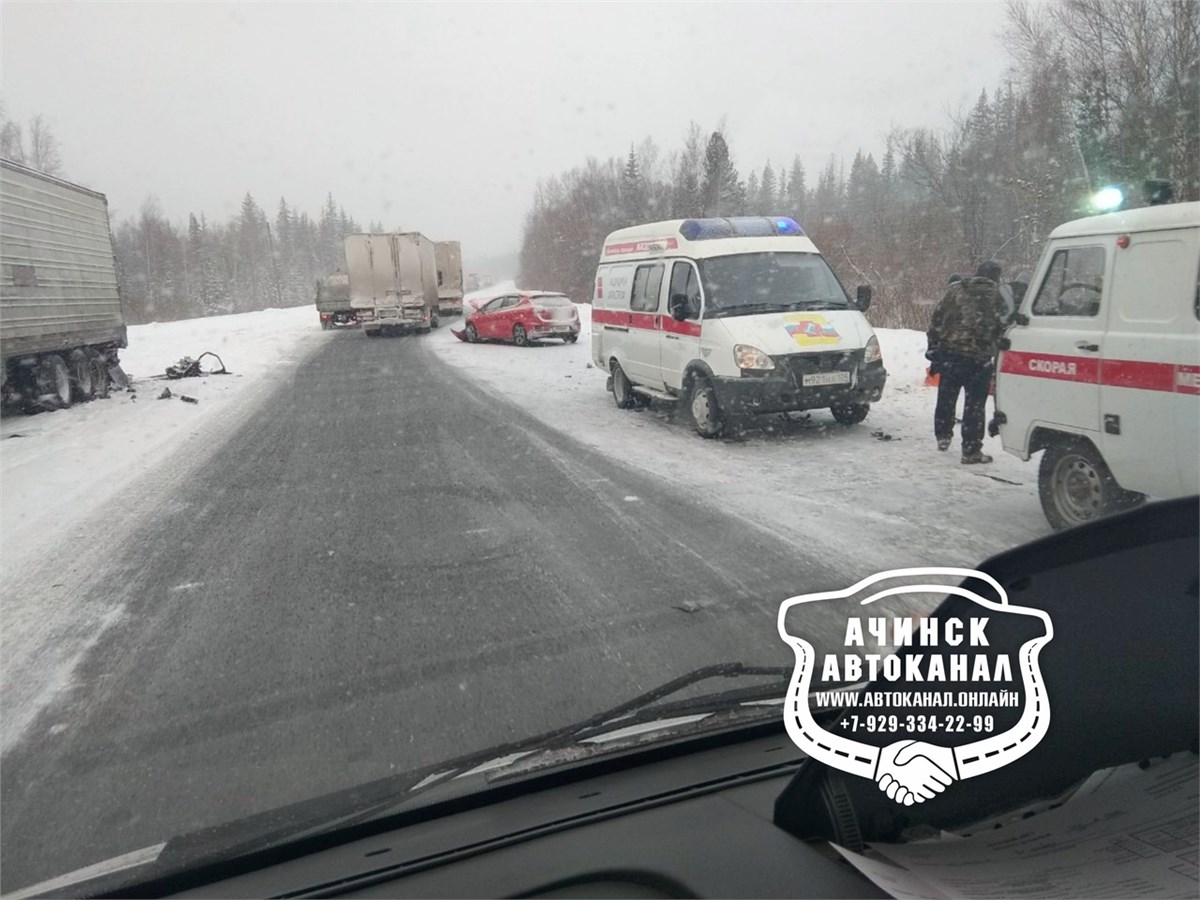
{"points": [[54, 382], [99, 373], [81, 376], [1075, 485]]}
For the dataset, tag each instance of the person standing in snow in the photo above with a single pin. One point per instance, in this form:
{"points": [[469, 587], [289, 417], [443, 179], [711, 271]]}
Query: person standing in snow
{"points": [[964, 338]]}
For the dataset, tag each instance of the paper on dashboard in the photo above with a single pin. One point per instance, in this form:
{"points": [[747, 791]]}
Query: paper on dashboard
{"points": [[1129, 836]]}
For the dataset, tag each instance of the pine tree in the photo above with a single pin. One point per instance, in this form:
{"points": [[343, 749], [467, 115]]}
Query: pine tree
{"points": [[633, 191], [715, 186], [767, 189], [797, 195]]}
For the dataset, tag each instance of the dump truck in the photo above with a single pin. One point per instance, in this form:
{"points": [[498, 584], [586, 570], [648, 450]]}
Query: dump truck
{"points": [[450, 278], [393, 282], [333, 301], [61, 322]]}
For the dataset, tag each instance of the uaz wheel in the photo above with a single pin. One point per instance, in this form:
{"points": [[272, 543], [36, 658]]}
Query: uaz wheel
{"points": [[1075, 485]]}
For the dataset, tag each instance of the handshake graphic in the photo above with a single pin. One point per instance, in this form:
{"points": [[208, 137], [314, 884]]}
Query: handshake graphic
{"points": [[913, 771]]}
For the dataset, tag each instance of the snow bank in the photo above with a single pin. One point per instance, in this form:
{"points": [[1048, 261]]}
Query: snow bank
{"points": [[57, 467], [874, 496], [73, 481]]}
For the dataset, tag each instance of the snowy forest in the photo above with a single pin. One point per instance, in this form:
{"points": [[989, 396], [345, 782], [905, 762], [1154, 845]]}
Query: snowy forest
{"points": [[253, 261], [1100, 92]]}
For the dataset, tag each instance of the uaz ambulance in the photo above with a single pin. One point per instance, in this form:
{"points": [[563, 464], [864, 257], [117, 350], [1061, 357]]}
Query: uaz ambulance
{"points": [[733, 317], [1101, 368]]}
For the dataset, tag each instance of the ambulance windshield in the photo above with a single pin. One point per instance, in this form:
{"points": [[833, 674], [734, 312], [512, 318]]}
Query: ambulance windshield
{"points": [[751, 283]]}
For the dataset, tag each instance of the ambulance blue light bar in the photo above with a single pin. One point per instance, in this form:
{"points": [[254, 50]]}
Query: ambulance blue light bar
{"points": [[740, 226]]}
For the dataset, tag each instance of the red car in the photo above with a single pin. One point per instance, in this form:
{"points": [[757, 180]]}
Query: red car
{"points": [[523, 317]]}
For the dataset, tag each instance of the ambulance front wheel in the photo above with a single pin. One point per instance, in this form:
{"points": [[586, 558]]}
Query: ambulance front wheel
{"points": [[850, 413], [622, 390], [707, 418], [1075, 485]]}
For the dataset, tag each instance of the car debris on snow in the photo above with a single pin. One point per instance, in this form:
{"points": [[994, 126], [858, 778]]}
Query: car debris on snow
{"points": [[190, 368]]}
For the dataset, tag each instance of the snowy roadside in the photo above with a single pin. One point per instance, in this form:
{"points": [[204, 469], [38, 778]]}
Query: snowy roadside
{"points": [[72, 482], [874, 496]]}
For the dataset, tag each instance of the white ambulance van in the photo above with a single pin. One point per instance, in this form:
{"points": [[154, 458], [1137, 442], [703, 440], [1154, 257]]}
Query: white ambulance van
{"points": [[733, 317], [1102, 366]]}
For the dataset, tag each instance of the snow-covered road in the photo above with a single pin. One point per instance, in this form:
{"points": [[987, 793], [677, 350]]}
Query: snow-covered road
{"points": [[76, 482], [873, 496], [73, 483]]}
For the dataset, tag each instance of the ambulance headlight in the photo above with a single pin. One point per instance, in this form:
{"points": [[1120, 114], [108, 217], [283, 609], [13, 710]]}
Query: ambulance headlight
{"points": [[748, 357], [872, 353]]}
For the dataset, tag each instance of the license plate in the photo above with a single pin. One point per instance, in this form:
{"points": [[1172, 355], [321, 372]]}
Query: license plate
{"points": [[562, 327], [821, 378]]}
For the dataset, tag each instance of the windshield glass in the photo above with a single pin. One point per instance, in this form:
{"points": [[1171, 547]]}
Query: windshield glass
{"points": [[371, 400], [752, 282]]}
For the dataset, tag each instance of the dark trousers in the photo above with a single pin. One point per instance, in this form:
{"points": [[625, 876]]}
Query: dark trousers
{"points": [[973, 376]]}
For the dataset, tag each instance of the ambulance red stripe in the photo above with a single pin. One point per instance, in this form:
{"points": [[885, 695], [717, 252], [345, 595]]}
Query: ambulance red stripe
{"points": [[1127, 373], [645, 321]]}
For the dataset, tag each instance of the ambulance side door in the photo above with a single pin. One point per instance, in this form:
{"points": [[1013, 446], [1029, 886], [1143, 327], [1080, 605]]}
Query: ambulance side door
{"points": [[1050, 373], [681, 339], [645, 338], [1150, 411]]}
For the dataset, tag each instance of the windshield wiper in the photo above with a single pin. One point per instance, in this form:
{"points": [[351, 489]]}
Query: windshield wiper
{"points": [[754, 308], [830, 303], [751, 308]]}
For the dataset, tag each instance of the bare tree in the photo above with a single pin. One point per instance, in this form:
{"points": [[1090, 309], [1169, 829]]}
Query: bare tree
{"points": [[43, 147]]}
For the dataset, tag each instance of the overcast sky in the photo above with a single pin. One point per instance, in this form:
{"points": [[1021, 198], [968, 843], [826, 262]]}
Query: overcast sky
{"points": [[442, 117]]}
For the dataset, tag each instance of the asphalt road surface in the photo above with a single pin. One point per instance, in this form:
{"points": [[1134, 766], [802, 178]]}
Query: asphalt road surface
{"points": [[389, 566]]}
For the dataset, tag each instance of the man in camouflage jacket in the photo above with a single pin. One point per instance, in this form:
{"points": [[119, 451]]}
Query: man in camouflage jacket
{"points": [[963, 341]]}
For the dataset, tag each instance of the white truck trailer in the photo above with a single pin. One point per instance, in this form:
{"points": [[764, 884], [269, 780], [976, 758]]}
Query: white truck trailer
{"points": [[450, 278], [393, 282], [61, 323]]}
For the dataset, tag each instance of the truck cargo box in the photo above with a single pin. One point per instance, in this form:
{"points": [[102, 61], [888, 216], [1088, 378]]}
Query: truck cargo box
{"points": [[450, 277], [58, 286], [393, 281]]}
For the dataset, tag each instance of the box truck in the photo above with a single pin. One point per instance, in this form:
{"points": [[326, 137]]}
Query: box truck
{"points": [[333, 301], [61, 323], [393, 282]]}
